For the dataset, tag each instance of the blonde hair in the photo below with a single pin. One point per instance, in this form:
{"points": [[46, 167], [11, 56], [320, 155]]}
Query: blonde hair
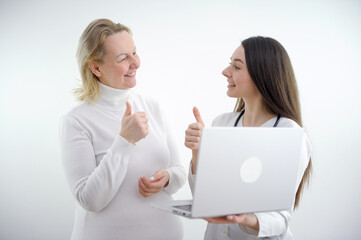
{"points": [[90, 49]]}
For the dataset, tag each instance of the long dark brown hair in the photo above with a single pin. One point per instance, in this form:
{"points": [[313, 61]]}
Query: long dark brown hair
{"points": [[271, 70]]}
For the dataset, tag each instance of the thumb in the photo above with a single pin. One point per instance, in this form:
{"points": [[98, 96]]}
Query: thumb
{"points": [[128, 110], [197, 115], [157, 175]]}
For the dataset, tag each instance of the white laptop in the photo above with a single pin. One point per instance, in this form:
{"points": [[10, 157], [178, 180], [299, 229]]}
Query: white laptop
{"points": [[243, 170]]}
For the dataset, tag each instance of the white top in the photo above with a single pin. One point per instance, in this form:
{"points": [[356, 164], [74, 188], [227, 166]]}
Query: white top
{"points": [[273, 225], [103, 169]]}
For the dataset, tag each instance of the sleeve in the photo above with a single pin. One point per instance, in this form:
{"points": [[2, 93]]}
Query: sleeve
{"points": [[276, 223], [93, 186], [191, 177], [176, 170], [273, 223]]}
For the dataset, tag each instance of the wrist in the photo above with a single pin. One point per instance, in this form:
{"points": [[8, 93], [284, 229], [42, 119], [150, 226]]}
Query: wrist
{"points": [[126, 138], [168, 177], [252, 222], [194, 160]]}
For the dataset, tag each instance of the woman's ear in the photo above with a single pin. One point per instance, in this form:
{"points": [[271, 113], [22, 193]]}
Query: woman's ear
{"points": [[94, 67]]}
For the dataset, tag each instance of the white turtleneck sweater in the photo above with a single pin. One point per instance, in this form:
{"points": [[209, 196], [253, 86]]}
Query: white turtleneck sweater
{"points": [[103, 169]]}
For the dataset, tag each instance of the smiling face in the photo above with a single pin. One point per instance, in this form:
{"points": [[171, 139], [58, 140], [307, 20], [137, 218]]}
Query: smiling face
{"points": [[120, 62], [240, 83]]}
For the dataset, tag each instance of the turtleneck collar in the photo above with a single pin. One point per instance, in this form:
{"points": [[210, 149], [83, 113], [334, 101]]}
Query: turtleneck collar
{"points": [[112, 98]]}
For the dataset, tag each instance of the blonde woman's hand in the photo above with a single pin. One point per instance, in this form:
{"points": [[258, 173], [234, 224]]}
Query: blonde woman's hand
{"points": [[134, 126], [156, 182], [193, 136]]}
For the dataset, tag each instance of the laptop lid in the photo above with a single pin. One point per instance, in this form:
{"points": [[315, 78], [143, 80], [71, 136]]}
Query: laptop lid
{"points": [[242, 170]]}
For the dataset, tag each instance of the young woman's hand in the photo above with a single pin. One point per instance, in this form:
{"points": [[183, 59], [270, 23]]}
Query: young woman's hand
{"points": [[156, 182], [134, 126], [193, 136], [247, 219]]}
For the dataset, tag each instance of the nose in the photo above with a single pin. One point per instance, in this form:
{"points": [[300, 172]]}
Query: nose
{"points": [[135, 62], [226, 72]]}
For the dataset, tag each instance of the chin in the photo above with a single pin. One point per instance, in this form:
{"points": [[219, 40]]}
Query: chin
{"points": [[132, 84], [231, 95], [128, 82]]}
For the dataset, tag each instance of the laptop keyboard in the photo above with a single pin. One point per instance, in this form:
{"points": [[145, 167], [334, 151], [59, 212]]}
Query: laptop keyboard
{"points": [[184, 207]]}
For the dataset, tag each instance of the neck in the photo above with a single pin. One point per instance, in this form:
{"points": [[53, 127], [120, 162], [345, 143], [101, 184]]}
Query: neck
{"points": [[112, 98], [255, 114]]}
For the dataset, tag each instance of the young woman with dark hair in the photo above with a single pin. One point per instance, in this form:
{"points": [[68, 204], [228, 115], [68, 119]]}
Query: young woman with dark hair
{"points": [[261, 77]]}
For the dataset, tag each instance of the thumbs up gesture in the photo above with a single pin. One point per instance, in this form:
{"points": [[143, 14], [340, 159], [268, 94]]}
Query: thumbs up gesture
{"points": [[134, 126], [193, 137], [193, 132]]}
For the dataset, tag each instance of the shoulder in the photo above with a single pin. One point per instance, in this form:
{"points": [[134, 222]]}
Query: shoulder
{"points": [[287, 122], [226, 119], [80, 109], [77, 113]]}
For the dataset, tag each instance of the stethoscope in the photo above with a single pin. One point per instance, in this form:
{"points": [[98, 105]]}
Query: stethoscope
{"points": [[242, 112]]}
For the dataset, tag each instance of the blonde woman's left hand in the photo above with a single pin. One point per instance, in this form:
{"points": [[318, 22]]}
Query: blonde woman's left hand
{"points": [[154, 184], [248, 219]]}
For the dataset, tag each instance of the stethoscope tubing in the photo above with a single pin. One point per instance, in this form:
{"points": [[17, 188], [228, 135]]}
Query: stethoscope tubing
{"points": [[242, 112]]}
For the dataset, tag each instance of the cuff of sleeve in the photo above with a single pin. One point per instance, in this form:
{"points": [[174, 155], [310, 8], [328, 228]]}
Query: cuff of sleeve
{"points": [[263, 230], [120, 144], [170, 189], [176, 179]]}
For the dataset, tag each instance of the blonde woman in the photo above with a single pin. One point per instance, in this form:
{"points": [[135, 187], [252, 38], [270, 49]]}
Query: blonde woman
{"points": [[260, 76], [117, 151]]}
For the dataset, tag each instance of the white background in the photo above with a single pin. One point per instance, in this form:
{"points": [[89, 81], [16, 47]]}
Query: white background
{"points": [[183, 49]]}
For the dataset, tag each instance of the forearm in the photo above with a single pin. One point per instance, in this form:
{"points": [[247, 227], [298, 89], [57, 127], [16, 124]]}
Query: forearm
{"points": [[95, 186], [252, 222], [269, 224], [177, 179], [190, 177], [194, 161]]}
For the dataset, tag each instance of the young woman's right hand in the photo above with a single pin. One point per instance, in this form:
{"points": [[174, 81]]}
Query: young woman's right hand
{"points": [[193, 136], [134, 126]]}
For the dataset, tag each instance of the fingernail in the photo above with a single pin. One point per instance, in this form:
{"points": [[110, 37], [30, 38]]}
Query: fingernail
{"points": [[229, 217]]}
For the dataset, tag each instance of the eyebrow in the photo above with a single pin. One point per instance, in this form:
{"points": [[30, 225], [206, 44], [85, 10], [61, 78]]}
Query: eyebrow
{"points": [[237, 60], [121, 54]]}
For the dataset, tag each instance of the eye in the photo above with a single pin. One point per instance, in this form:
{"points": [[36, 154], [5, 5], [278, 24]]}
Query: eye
{"points": [[134, 53], [123, 59], [235, 66]]}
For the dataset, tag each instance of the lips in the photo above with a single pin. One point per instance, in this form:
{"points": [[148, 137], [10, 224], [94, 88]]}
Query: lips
{"points": [[130, 74], [231, 84]]}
